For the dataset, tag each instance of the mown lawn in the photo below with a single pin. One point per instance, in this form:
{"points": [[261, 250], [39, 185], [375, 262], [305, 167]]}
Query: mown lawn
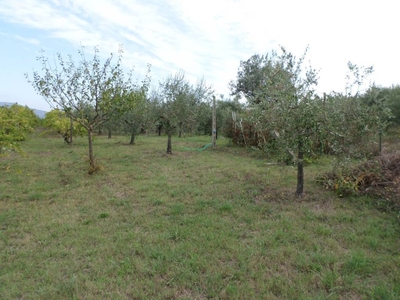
{"points": [[213, 224]]}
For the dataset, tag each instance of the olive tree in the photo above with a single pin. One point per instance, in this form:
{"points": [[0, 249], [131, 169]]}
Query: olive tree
{"points": [[138, 118], [179, 104], [391, 96], [250, 78], [283, 102], [355, 118], [89, 91]]}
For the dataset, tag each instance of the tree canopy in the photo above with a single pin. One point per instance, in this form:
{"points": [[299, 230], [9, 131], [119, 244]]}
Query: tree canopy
{"points": [[89, 91], [283, 104], [180, 102], [287, 106]]}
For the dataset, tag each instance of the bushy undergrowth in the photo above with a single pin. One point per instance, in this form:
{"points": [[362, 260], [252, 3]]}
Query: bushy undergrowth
{"points": [[378, 177]]}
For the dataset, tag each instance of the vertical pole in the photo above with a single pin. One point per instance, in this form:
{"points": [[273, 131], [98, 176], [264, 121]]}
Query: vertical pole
{"points": [[380, 141], [214, 124]]}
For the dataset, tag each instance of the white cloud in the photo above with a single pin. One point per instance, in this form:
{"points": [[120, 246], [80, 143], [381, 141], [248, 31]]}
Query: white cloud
{"points": [[28, 40], [209, 38]]}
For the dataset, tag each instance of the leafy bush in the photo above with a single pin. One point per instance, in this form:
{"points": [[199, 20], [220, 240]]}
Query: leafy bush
{"points": [[59, 121], [16, 122]]}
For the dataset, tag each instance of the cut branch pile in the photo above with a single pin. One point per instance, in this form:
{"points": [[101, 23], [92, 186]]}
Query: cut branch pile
{"points": [[378, 178]]}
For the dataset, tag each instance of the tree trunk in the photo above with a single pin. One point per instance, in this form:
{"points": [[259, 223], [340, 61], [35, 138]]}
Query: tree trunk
{"points": [[300, 171], [66, 137], [159, 130], [169, 143], [132, 141], [109, 133], [180, 130], [92, 166]]}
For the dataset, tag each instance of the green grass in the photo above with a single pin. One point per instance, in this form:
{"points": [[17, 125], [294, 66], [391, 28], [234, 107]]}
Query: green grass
{"points": [[216, 224]]}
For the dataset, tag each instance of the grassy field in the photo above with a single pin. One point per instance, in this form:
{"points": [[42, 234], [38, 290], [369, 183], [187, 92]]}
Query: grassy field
{"points": [[216, 224]]}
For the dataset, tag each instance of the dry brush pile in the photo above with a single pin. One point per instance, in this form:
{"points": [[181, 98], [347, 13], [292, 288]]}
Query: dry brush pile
{"points": [[378, 178]]}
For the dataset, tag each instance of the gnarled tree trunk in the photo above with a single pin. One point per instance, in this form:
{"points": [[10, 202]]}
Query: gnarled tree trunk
{"points": [[92, 166], [169, 142], [132, 141]]}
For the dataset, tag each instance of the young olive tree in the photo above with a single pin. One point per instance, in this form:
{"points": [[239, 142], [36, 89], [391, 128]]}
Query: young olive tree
{"points": [[134, 117], [355, 118], [250, 78], [391, 96], [137, 119], [89, 91], [180, 102], [283, 102]]}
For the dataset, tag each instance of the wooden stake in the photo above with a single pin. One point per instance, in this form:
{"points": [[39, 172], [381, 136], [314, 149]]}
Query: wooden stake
{"points": [[214, 124]]}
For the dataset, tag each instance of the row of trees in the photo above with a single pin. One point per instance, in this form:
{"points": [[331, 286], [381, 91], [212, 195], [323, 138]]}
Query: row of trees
{"points": [[171, 109], [283, 104], [91, 95]]}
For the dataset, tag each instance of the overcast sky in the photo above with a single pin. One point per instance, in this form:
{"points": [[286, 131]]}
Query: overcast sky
{"points": [[203, 38]]}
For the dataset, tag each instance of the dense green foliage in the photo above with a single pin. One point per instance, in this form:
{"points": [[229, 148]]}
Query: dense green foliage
{"points": [[16, 122], [250, 78], [59, 121], [291, 121], [354, 126], [390, 96]]}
